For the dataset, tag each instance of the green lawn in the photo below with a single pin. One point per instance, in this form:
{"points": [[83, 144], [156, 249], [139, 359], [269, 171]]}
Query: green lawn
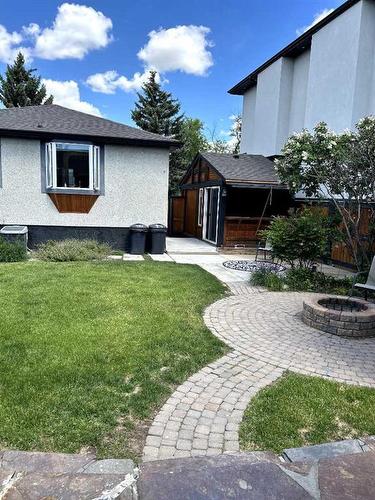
{"points": [[298, 410], [90, 351]]}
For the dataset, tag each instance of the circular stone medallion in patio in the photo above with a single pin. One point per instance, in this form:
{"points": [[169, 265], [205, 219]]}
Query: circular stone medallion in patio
{"points": [[251, 266]]}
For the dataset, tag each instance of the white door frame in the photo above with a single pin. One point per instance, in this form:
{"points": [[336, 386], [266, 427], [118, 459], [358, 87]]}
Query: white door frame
{"points": [[205, 214]]}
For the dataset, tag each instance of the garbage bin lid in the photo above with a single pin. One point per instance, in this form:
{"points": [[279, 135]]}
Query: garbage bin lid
{"points": [[13, 230], [157, 228], [141, 228]]}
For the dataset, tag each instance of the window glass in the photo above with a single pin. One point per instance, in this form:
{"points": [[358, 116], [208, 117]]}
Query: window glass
{"points": [[73, 165]]}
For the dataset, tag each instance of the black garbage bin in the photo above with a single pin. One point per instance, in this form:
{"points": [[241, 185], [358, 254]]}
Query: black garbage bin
{"points": [[138, 234], [157, 235]]}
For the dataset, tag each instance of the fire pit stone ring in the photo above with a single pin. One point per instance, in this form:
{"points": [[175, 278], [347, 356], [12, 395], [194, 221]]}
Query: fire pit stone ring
{"points": [[343, 316]]}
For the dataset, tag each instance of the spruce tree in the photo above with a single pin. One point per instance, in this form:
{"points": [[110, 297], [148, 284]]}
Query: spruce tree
{"points": [[192, 139], [20, 87], [156, 110]]}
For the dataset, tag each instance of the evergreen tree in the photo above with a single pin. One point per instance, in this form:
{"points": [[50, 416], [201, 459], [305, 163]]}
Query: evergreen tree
{"points": [[156, 111], [193, 140], [20, 87]]}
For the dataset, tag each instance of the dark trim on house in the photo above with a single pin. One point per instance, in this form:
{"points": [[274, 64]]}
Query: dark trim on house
{"points": [[261, 185], [99, 140], [116, 237], [216, 182], [294, 49]]}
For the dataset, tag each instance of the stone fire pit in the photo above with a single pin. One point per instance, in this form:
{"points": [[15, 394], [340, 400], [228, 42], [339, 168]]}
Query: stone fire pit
{"points": [[344, 316]]}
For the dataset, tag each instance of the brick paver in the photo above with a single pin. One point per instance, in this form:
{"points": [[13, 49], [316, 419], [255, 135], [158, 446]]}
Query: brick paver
{"points": [[202, 416], [268, 327], [267, 335]]}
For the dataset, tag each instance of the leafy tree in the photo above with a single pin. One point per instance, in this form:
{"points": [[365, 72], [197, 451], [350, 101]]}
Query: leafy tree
{"points": [[340, 167], [217, 145], [193, 140], [235, 133], [20, 87], [156, 110]]}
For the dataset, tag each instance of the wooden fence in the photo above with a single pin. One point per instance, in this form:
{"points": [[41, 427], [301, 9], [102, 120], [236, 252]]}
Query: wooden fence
{"points": [[340, 252]]}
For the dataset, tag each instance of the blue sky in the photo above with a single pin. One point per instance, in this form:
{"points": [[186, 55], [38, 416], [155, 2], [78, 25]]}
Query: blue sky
{"points": [[201, 48]]}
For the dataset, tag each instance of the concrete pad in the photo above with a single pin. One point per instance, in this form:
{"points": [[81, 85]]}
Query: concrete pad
{"points": [[164, 257], [217, 478], [114, 257], [189, 245], [131, 257], [319, 451]]}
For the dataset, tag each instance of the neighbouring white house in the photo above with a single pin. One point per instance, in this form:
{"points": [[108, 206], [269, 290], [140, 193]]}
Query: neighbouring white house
{"points": [[327, 74], [64, 173]]}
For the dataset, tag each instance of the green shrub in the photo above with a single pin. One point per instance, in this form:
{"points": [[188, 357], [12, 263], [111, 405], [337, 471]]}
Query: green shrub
{"points": [[299, 239], [267, 279], [259, 277], [274, 282], [72, 250], [301, 280], [12, 252]]}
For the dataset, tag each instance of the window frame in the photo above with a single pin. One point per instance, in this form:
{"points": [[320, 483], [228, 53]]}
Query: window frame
{"points": [[49, 168], [200, 207]]}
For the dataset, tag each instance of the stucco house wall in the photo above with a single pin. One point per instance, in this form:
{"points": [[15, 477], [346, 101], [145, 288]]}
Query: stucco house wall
{"points": [[331, 81], [135, 188], [333, 71]]}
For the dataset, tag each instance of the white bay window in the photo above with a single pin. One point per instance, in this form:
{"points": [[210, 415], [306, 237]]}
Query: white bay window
{"points": [[72, 166]]}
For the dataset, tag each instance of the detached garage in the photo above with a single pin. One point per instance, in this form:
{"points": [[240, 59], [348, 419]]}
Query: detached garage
{"points": [[228, 199]]}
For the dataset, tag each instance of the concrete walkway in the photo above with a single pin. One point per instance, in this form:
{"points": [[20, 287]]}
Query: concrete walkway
{"points": [[267, 336]]}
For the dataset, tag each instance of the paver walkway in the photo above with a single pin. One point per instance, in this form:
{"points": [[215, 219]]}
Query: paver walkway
{"points": [[266, 333]]}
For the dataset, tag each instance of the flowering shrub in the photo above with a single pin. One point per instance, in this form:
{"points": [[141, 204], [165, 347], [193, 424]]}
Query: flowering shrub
{"points": [[338, 167]]}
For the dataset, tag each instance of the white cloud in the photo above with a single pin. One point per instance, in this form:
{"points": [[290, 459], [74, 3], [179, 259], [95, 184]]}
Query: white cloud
{"points": [[317, 18], [183, 48], [76, 30], [8, 44], [31, 31], [109, 81], [67, 94]]}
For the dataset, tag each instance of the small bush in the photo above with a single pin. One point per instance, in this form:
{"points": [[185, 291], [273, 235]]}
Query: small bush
{"points": [[267, 278], [300, 239], [72, 250], [259, 277], [301, 280], [12, 252]]}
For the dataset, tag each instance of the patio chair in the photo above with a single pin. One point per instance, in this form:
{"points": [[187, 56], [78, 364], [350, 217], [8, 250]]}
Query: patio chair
{"points": [[370, 283], [265, 247]]}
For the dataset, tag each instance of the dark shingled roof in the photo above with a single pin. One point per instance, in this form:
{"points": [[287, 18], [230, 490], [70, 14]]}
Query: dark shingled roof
{"points": [[294, 49], [57, 121], [243, 167]]}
